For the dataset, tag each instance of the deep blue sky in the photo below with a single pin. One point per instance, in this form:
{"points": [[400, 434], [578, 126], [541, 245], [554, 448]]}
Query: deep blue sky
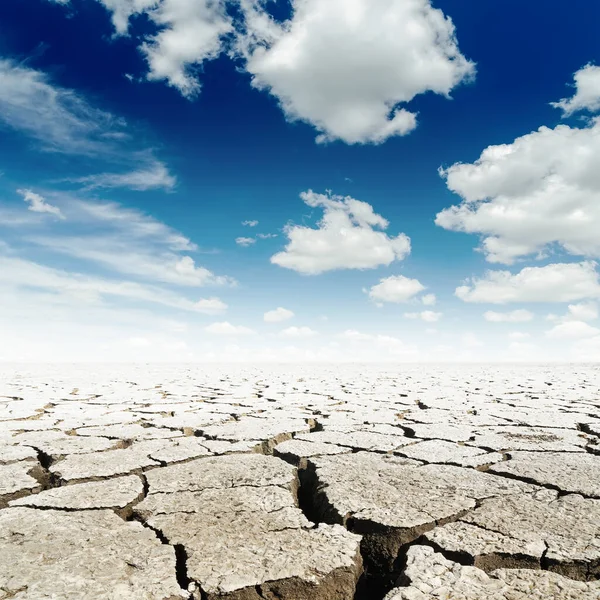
{"points": [[236, 157]]}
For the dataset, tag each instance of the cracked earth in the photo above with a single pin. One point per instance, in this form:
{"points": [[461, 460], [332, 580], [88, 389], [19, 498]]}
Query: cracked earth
{"points": [[337, 483]]}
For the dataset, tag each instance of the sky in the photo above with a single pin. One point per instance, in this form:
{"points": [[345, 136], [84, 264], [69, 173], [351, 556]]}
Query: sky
{"points": [[299, 181]]}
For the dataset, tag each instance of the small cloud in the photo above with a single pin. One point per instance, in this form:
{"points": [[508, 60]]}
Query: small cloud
{"points": [[210, 306], [395, 288], [278, 315], [515, 316], [38, 204], [428, 316], [429, 299], [226, 328], [250, 223], [299, 332], [471, 340], [517, 336], [245, 241], [266, 236]]}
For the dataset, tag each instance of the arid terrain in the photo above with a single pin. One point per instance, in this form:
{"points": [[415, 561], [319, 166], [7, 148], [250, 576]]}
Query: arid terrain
{"points": [[300, 483]]}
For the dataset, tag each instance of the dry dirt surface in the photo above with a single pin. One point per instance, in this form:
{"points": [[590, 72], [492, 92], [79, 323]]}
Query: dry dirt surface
{"points": [[300, 483]]}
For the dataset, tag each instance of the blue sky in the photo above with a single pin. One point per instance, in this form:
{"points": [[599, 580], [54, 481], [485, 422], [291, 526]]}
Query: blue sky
{"points": [[408, 206]]}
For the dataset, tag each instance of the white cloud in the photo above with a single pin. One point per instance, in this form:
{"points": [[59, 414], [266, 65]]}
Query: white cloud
{"points": [[60, 119], [428, 316], [429, 299], [128, 241], [346, 238], [278, 315], [522, 198], [299, 332], [226, 328], [470, 340], [515, 316], [132, 223], [518, 336], [245, 241], [375, 343], [587, 349], [250, 223], [122, 10], [210, 306], [396, 288], [587, 311], [266, 236], [190, 32], [562, 282], [152, 175], [572, 329], [59, 285], [345, 67], [38, 204], [587, 92]]}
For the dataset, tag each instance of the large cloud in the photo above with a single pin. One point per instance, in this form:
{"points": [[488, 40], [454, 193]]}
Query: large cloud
{"points": [[346, 238], [344, 67], [562, 282], [542, 189]]}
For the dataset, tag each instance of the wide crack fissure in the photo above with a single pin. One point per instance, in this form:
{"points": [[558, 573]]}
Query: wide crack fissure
{"points": [[181, 556], [380, 575]]}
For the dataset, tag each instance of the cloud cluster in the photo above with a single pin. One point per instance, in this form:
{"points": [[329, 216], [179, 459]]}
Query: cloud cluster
{"points": [[349, 236], [523, 197], [561, 282], [344, 68]]}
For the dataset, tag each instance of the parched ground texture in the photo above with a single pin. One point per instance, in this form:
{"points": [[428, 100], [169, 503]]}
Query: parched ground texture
{"points": [[300, 483]]}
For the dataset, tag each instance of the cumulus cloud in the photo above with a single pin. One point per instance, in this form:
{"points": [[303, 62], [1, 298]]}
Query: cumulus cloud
{"points": [[523, 197], [345, 68], [250, 223], [226, 328], [38, 204], [190, 32], [572, 329], [585, 311], [210, 306], [395, 288], [245, 241], [561, 282], [429, 299], [587, 92], [515, 316], [347, 237], [299, 332], [278, 315], [517, 336], [428, 316]]}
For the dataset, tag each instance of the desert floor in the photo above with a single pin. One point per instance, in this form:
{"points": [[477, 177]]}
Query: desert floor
{"points": [[332, 482]]}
